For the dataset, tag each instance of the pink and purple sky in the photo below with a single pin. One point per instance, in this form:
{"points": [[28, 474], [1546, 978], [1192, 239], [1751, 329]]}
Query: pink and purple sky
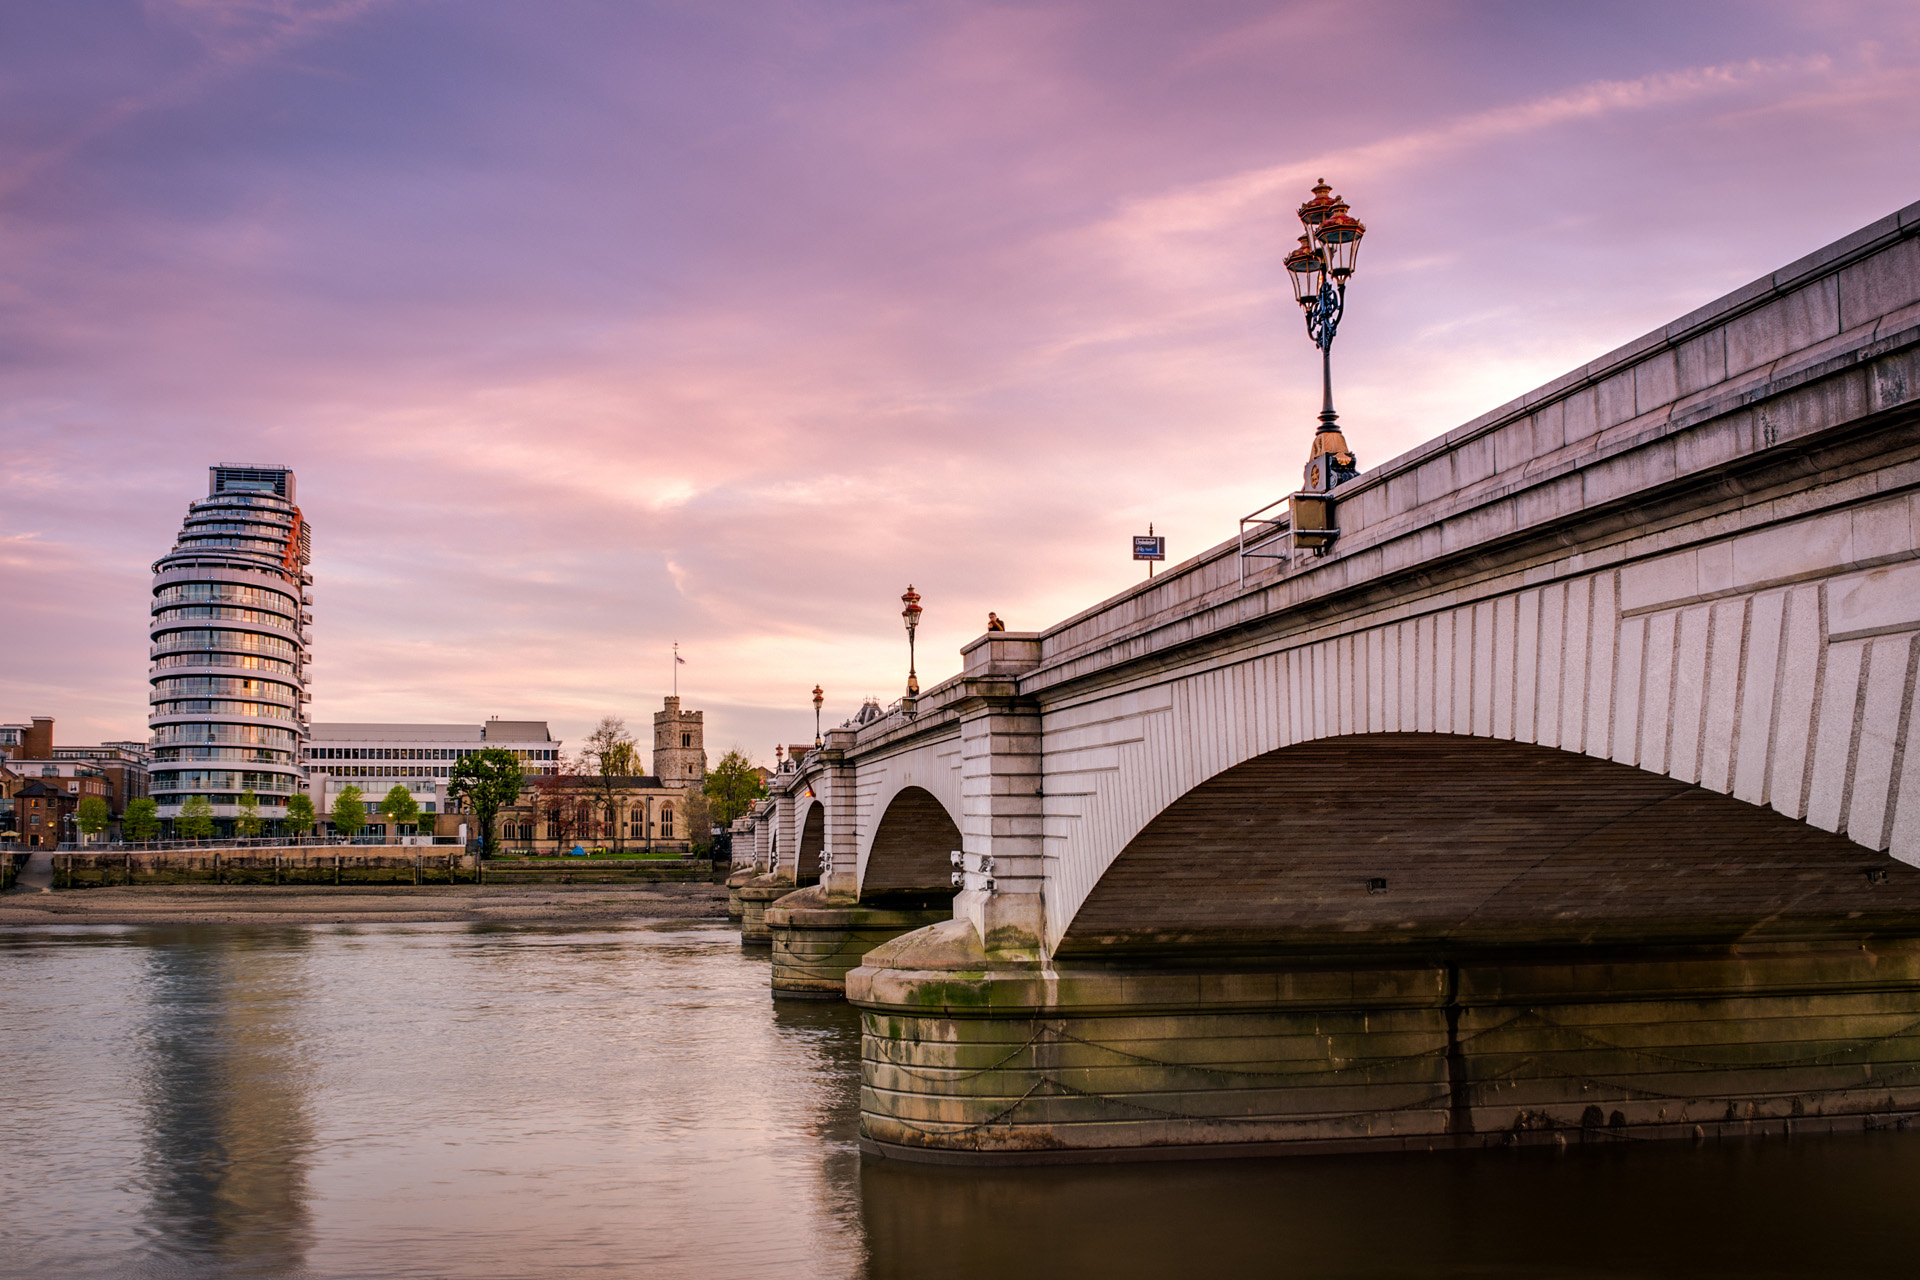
{"points": [[594, 326]]}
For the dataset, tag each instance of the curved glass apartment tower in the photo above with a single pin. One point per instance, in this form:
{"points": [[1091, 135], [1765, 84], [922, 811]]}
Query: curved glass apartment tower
{"points": [[230, 644]]}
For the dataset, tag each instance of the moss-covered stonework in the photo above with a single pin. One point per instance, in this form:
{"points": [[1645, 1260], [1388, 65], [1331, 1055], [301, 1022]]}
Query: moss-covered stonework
{"points": [[755, 896], [816, 940], [963, 1058]]}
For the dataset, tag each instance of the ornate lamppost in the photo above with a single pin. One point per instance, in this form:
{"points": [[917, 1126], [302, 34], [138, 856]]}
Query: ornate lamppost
{"points": [[818, 699], [910, 614], [1320, 268]]}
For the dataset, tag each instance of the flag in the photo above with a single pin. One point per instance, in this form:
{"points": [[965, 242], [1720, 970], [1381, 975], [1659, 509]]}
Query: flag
{"points": [[677, 658]]}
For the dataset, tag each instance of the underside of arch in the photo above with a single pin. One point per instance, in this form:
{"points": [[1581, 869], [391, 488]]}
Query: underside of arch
{"points": [[1443, 843], [813, 840], [911, 853]]}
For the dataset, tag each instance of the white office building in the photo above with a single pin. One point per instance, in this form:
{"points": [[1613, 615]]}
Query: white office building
{"points": [[377, 757], [230, 647]]}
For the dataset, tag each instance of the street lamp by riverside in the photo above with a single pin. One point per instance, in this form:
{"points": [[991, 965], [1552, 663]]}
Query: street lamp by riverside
{"points": [[910, 614], [818, 699], [1320, 268]]}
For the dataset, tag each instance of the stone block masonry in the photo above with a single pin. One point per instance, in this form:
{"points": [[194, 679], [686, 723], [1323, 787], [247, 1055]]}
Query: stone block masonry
{"points": [[965, 1061]]}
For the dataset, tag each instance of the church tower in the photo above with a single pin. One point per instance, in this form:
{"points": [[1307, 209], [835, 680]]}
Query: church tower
{"points": [[679, 746]]}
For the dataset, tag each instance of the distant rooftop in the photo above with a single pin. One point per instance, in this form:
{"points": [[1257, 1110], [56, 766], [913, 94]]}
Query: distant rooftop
{"points": [[492, 731], [227, 477], [517, 731]]}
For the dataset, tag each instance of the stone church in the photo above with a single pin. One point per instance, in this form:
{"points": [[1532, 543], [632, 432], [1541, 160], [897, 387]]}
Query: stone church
{"points": [[656, 811]]}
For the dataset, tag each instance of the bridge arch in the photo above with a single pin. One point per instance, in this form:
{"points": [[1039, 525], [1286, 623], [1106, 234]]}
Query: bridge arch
{"points": [[813, 843], [1423, 840], [908, 851], [1782, 697]]}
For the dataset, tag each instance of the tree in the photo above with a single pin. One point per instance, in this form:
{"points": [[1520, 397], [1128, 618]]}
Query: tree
{"points": [[554, 803], [141, 820], [399, 808], [733, 785], [93, 815], [196, 819], [348, 814], [300, 811], [485, 782], [699, 817], [248, 824], [607, 756]]}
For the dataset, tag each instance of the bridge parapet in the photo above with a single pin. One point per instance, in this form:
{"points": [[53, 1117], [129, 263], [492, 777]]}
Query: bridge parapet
{"points": [[1764, 373]]}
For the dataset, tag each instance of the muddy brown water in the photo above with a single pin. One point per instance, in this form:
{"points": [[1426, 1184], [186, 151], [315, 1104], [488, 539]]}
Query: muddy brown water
{"points": [[624, 1100]]}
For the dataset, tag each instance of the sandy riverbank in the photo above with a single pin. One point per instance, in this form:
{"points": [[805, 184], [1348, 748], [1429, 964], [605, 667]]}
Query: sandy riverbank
{"points": [[355, 904]]}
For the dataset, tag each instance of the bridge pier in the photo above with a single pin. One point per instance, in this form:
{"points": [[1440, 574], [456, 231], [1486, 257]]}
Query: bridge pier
{"points": [[975, 1057], [756, 895], [817, 939], [735, 881], [1002, 796]]}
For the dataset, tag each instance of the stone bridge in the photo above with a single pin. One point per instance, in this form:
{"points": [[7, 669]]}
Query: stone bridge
{"points": [[1567, 795]]}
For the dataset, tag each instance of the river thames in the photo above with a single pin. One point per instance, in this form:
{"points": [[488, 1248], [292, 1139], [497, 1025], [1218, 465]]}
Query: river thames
{"points": [[486, 1100]]}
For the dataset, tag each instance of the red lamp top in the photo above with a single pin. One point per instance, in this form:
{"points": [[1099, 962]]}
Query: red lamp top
{"points": [[1315, 211], [1341, 228], [1331, 244]]}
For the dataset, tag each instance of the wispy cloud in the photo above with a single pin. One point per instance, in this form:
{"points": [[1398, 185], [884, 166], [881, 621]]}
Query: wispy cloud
{"points": [[230, 36], [591, 328], [1152, 230]]}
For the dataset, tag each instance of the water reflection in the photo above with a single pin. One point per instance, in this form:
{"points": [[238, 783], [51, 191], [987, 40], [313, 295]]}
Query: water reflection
{"points": [[1820, 1206], [225, 1086], [828, 1033], [443, 1100]]}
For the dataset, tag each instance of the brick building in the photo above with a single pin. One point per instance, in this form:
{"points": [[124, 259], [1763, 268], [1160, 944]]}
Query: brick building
{"points": [[30, 754], [43, 807], [124, 768]]}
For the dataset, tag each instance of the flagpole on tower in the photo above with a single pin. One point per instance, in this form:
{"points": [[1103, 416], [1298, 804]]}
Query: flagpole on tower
{"points": [[677, 660]]}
